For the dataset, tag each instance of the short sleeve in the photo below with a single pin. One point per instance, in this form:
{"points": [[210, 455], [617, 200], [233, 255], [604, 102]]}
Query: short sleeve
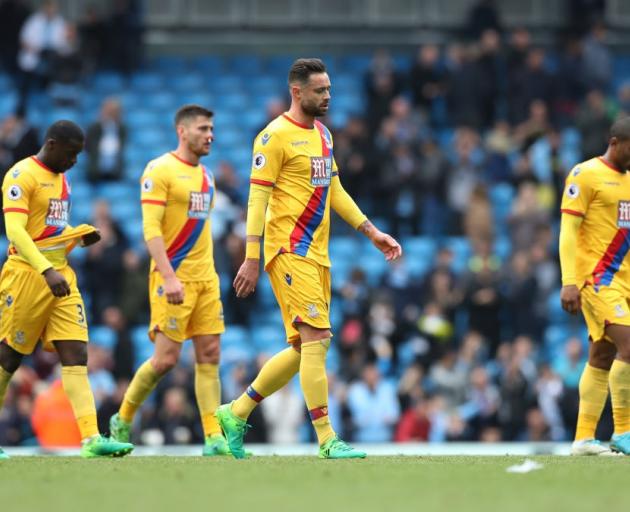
{"points": [[267, 159], [17, 190], [578, 192], [153, 185]]}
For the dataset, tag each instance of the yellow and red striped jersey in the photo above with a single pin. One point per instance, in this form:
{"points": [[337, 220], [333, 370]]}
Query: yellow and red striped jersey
{"points": [[31, 188], [297, 161], [184, 195], [600, 194]]}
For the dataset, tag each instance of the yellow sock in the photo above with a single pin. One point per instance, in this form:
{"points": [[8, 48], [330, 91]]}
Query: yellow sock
{"points": [[77, 387], [275, 374], [314, 384], [208, 393], [619, 381], [593, 393], [5, 377], [143, 382]]}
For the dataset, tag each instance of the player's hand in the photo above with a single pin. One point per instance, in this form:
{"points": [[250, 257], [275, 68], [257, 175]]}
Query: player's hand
{"points": [[570, 299], [90, 238], [57, 283], [386, 244], [174, 290], [246, 278]]}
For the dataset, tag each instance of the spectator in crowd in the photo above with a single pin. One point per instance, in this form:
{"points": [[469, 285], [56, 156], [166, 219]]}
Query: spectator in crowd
{"points": [[427, 78], [105, 144], [593, 120], [483, 15], [13, 14], [374, 406], [284, 413], [596, 58], [43, 37]]}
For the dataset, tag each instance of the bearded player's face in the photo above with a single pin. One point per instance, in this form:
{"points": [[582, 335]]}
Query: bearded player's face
{"points": [[315, 95], [199, 134]]}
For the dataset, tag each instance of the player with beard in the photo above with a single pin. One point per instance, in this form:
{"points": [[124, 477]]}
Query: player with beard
{"points": [[294, 184], [177, 194]]}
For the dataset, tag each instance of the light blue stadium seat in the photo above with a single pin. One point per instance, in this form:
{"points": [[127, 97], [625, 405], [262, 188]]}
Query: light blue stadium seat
{"points": [[141, 118], [165, 103], [142, 345], [207, 64], [346, 248], [460, 247], [8, 102], [419, 247], [81, 212], [117, 192], [269, 338], [264, 292], [150, 139], [169, 65], [279, 65], [108, 83], [355, 64], [124, 210], [102, 336], [191, 82], [80, 190], [147, 82], [554, 308], [226, 84], [236, 345], [503, 247], [244, 64], [133, 230], [373, 264]]}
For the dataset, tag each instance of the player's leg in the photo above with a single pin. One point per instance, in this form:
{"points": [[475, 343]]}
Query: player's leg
{"points": [[208, 392], [598, 307], [619, 382], [9, 362], [164, 358], [593, 391], [168, 330], [74, 376]]}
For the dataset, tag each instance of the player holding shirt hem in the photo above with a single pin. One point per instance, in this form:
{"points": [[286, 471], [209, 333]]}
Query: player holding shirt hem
{"points": [[39, 298], [594, 244], [177, 194], [294, 184]]}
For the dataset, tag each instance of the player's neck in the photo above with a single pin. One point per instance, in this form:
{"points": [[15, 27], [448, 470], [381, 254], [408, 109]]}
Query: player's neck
{"points": [[606, 157], [186, 156], [44, 162], [298, 115]]}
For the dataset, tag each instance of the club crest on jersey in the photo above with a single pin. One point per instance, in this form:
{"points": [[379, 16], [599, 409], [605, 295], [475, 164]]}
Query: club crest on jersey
{"points": [[15, 173], [623, 214], [199, 205], [265, 138], [172, 324], [321, 168], [573, 191], [312, 311], [619, 311], [57, 213], [19, 337]]}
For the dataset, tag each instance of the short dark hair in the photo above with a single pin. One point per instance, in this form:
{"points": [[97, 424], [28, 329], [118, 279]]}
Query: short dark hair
{"points": [[302, 69], [64, 131], [621, 128], [191, 111]]}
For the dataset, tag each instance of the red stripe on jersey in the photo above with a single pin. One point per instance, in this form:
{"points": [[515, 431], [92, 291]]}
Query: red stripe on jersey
{"points": [[609, 165], [153, 201], [304, 219], [296, 123], [17, 210], [42, 164], [184, 161], [261, 182], [48, 232], [572, 212], [606, 261]]}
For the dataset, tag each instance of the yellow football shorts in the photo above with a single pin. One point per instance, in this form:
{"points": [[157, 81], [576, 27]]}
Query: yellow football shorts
{"points": [[603, 307], [302, 289], [201, 313], [29, 312]]}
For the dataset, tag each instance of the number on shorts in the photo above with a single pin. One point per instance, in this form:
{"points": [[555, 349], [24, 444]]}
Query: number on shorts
{"points": [[81, 313]]}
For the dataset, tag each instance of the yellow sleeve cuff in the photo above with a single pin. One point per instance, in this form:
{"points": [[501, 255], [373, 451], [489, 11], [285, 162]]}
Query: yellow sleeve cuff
{"points": [[569, 227], [257, 208], [23, 243], [152, 215], [344, 205]]}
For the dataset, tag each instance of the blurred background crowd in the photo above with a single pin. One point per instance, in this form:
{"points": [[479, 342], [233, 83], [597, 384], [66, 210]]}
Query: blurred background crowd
{"points": [[459, 148]]}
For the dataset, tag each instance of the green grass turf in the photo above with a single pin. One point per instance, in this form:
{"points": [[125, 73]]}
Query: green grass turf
{"points": [[300, 484]]}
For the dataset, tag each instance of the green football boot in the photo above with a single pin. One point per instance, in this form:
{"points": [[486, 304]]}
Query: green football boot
{"points": [[234, 429], [621, 443], [3, 455], [99, 446], [215, 445], [119, 429], [335, 448]]}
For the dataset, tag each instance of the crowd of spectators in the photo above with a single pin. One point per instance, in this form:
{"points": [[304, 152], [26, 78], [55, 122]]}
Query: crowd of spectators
{"points": [[456, 353]]}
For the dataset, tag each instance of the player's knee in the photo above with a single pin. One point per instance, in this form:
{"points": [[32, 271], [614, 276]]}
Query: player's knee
{"points": [[210, 353], [623, 351], [601, 355], [164, 363], [9, 359]]}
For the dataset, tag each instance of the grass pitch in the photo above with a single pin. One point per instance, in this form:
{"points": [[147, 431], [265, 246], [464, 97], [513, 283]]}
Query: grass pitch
{"points": [[300, 484]]}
